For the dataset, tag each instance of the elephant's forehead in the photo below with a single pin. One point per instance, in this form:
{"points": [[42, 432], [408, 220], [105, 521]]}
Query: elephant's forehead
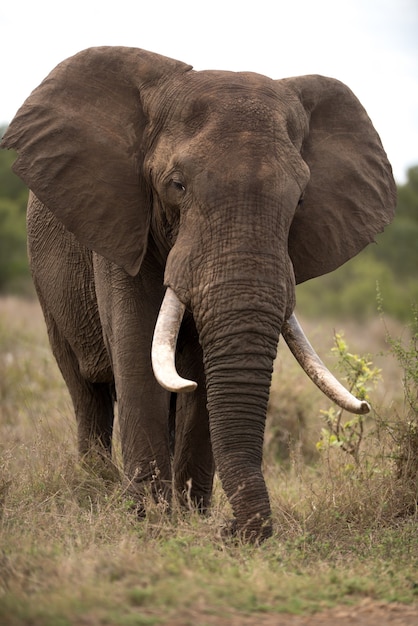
{"points": [[206, 116], [227, 96], [218, 79]]}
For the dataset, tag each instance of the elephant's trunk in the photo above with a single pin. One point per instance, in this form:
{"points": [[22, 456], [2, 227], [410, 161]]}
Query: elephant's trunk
{"points": [[239, 346], [164, 346], [239, 330]]}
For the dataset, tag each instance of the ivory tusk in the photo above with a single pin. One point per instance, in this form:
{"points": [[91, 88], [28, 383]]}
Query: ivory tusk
{"points": [[316, 370], [163, 351]]}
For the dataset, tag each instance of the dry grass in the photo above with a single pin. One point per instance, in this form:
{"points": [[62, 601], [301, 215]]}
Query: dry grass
{"points": [[72, 553]]}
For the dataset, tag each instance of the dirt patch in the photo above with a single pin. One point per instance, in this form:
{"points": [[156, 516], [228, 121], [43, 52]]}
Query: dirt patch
{"points": [[368, 613]]}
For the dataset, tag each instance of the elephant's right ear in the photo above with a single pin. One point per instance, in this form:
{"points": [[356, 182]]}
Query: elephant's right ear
{"points": [[79, 137]]}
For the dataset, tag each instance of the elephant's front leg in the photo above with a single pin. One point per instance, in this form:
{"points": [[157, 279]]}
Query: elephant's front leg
{"points": [[143, 423], [194, 465], [128, 309]]}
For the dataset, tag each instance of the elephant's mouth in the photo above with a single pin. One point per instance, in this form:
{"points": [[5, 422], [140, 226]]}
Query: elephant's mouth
{"points": [[164, 347]]}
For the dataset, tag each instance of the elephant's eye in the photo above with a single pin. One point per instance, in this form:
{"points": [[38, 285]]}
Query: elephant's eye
{"points": [[174, 192], [177, 184]]}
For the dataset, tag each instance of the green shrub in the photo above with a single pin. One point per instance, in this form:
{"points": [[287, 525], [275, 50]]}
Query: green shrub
{"points": [[405, 434], [382, 458], [360, 376]]}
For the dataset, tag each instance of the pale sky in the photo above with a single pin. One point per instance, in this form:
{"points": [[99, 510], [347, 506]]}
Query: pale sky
{"points": [[371, 45]]}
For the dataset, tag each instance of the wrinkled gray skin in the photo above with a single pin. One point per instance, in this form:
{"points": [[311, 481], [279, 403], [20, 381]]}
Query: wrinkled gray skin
{"points": [[148, 174]]}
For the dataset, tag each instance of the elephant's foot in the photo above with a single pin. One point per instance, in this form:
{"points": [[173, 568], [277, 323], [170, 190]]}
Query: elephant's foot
{"points": [[99, 463], [253, 531], [193, 497], [148, 505], [148, 493]]}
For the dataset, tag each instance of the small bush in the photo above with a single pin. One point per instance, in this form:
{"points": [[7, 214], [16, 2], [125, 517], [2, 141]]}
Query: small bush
{"points": [[360, 376], [405, 432], [371, 473]]}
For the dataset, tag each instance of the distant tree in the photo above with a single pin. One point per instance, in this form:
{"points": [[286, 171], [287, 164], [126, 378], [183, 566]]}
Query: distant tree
{"points": [[11, 186], [408, 196], [14, 271], [392, 263], [398, 245], [13, 257]]}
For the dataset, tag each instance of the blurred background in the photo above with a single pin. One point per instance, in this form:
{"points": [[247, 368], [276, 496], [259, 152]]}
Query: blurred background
{"points": [[371, 46]]}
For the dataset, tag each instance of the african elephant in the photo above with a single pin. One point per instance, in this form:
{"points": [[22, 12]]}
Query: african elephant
{"points": [[221, 190]]}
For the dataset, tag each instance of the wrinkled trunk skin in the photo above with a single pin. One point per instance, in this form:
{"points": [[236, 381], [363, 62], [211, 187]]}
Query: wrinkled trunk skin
{"points": [[240, 288], [239, 328]]}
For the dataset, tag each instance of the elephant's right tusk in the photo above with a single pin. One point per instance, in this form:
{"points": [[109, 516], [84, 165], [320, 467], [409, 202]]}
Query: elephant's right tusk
{"points": [[316, 370], [163, 351]]}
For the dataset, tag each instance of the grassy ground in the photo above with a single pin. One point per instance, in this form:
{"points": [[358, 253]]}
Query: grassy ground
{"points": [[72, 553]]}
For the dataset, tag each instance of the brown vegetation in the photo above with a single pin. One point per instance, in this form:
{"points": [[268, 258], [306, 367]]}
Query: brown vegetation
{"points": [[71, 553]]}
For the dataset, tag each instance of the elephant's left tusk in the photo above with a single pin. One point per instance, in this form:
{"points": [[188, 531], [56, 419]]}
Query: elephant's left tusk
{"points": [[163, 351], [316, 370]]}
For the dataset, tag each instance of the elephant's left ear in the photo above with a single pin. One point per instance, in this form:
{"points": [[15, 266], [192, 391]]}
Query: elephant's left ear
{"points": [[80, 137], [351, 194]]}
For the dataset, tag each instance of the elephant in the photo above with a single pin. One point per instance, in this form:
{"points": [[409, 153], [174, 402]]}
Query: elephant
{"points": [[171, 213]]}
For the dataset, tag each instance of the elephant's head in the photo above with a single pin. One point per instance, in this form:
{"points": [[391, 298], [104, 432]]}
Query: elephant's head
{"points": [[245, 186]]}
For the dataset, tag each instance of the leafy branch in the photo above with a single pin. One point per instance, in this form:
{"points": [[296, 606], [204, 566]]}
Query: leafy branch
{"points": [[360, 376]]}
